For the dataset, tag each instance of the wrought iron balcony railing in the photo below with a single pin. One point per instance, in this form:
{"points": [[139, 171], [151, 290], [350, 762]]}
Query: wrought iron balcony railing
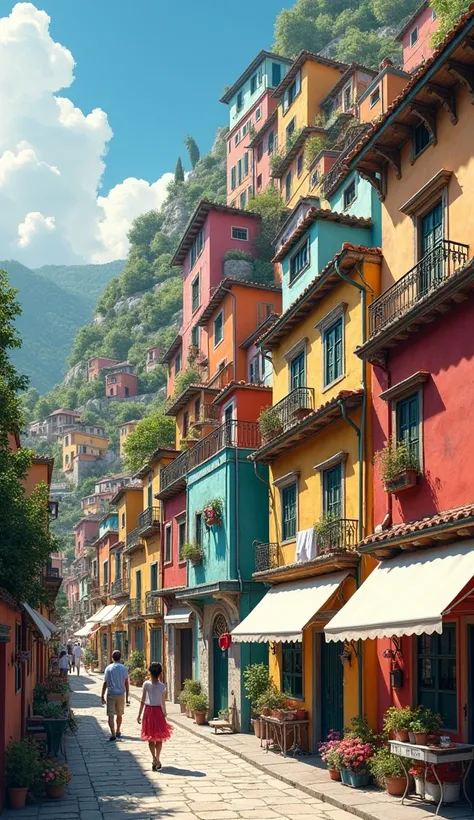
{"points": [[338, 535], [209, 414], [290, 410], [424, 278], [119, 587], [152, 603], [149, 521], [175, 471], [132, 540], [104, 590], [266, 556], [245, 434], [134, 607]]}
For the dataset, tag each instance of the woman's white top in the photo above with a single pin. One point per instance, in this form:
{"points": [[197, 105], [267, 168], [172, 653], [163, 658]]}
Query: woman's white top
{"points": [[64, 662], [153, 693]]}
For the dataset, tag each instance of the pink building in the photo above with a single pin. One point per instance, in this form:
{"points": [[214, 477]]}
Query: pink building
{"points": [[415, 37], [86, 531], [96, 365], [153, 356], [262, 146], [212, 231], [121, 385]]}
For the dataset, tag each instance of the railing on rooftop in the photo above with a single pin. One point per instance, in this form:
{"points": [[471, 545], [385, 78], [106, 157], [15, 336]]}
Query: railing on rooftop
{"points": [[152, 603], [424, 278], [174, 471], [245, 434]]}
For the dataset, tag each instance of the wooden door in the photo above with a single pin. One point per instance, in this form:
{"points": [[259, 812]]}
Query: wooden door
{"points": [[332, 687]]}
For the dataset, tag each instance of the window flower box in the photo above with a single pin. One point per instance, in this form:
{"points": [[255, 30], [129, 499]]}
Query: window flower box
{"points": [[404, 481]]}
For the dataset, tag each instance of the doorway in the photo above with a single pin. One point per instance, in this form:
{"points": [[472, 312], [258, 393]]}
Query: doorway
{"points": [[185, 654], [220, 667], [332, 687]]}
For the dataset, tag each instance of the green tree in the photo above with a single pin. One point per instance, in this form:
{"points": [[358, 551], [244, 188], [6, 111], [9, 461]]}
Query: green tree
{"points": [[269, 204], [366, 47], [179, 171], [150, 433], [25, 540], [144, 228], [449, 12], [193, 150], [392, 13]]}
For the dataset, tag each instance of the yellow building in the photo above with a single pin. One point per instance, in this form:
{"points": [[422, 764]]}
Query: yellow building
{"points": [[83, 445], [124, 432], [317, 446]]}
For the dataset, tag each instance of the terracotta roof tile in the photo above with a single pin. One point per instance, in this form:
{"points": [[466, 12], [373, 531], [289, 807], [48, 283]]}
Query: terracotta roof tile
{"points": [[319, 213], [399, 531]]}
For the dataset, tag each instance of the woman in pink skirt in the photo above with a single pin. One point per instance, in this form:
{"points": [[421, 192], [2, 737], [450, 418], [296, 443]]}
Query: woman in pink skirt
{"points": [[155, 728]]}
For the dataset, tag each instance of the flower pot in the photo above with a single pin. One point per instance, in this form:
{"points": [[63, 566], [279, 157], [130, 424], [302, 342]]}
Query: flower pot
{"points": [[402, 735], [421, 738], [359, 779], [257, 727], [17, 797], [395, 786], [302, 714], [411, 737], [182, 706], [345, 776], [200, 718], [404, 481], [279, 714], [451, 792], [189, 712], [54, 697], [432, 792], [55, 792], [334, 774], [266, 712], [420, 786], [212, 522]]}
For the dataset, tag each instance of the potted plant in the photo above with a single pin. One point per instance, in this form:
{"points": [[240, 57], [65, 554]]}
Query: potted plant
{"points": [[271, 702], [354, 756], [387, 769], [327, 533], [270, 424], [256, 682], [398, 720], [51, 711], [191, 687], [55, 778], [183, 699], [328, 750], [213, 512], [21, 767], [420, 729], [193, 553], [57, 688], [450, 776], [199, 704], [398, 466], [417, 771], [90, 658]]}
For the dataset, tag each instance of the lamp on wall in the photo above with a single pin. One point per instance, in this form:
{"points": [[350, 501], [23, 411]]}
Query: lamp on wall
{"points": [[347, 652], [395, 656], [273, 647]]}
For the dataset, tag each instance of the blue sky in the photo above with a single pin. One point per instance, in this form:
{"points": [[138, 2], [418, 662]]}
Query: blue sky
{"points": [[158, 68]]}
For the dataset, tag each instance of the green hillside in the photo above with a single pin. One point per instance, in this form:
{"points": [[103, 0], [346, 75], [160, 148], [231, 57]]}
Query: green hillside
{"points": [[48, 324], [86, 281]]}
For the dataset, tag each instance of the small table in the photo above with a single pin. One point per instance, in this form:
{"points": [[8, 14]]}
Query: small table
{"points": [[433, 755], [276, 731]]}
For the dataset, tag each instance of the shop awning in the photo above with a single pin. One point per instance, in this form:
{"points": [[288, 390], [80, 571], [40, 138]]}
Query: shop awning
{"points": [[179, 615], [109, 617], [286, 609], [86, 630], [101, 613], [49, 624], [407, 595], [43, 626]]}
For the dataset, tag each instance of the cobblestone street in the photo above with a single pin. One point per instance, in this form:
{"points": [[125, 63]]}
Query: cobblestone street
{"points": [[114, 781]]}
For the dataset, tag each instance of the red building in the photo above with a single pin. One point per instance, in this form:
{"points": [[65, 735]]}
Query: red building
{"points": [[416, 36], [96, 365], [121, 385], [85, 533]]}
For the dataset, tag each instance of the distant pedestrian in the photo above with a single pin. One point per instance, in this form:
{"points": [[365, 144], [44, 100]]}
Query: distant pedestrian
{"points": [[78, 653], [63, 663], [70, 658], [116, 685], [155, 728]]}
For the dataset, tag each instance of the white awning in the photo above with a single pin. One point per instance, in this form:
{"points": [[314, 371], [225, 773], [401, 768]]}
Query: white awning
{"points": [[49, 624], [407, 595], [39, 622], [178, 615], [86, 630], [286, 609], [97, 616], [109, 617]]}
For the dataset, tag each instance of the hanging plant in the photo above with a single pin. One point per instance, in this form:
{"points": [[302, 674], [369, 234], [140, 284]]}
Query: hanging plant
{"points": [[213, 511], [192, 552]]}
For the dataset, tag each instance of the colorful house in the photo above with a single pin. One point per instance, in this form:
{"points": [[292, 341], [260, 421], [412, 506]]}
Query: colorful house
{"points": [[416, 36], [82, 446], [121, 385], [55, 424], [96, 365], [153, 356], [316, 446], [419, 346], [250, 104], [124, 432]]}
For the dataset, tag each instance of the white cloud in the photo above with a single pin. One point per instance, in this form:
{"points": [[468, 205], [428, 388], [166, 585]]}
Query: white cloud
{"points": [[52, 157]]}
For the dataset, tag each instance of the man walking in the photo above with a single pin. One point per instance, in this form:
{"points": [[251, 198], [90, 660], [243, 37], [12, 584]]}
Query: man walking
{"points": [[116, 685], [77, 654]]}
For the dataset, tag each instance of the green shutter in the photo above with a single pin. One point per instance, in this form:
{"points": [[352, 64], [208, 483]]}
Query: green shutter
{"points": [[333, 352], [408, 424], [332, 484], [288, 502]]}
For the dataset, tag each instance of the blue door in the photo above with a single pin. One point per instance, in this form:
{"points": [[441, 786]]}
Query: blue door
{"points": [[155, 645], [332, 687], [220, 667]]}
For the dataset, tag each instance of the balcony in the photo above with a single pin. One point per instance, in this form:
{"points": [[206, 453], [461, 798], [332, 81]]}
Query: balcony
{"points": [[152, 604], [173, 477], [134, 608], [133, 541], [149, 521], [209, 415], [425, 278], [104, 590], [120, 588], [292, 409], [94, 589], [222, 377], [245, 434], [339, 535], [266, 556]]}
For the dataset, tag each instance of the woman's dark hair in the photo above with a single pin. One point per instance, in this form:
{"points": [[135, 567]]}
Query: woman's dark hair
{"points": [[155, 669], [62, 653]]}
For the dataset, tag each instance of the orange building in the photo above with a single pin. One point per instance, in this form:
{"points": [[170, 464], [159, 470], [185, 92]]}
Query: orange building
{"points": [[124, 431], [121, 385], [96, 365]]}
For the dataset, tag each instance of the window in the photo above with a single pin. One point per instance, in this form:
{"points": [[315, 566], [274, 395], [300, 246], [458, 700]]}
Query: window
{"points": [[332, 491], [237, 137], [185, 423], [155, 645], [292, 669], [218, 329], [292, 92], [233, 177], [240, 172], [229, 147], [260, 151], [244, 129], [408, 424], [299, 165], [276, 74], [246, 163], [168, 544], [138, 584], [436, 662], [118, 566], [196, 293], [314, 178], [18, 671], [177, 364], [254, 371], [333, 352], [299, 260], [196, 248], [139, 638], [258, 114], [240, 233], [198, 527], [106, 572], [349, 194], [123, 519], [154, 577], [298, 371], [271, 142], [66, 441], [413, 36], [259, 182], [375, 97], [240, 101], [195, 336], [290, 130], [347, 98], [422, 138], [288, 511], [197, 409], [288, 186], [242, 200], [253, 84], [181, 536]]}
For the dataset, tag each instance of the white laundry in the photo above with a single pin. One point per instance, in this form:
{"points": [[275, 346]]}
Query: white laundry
{"points": [[306, 546]]}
